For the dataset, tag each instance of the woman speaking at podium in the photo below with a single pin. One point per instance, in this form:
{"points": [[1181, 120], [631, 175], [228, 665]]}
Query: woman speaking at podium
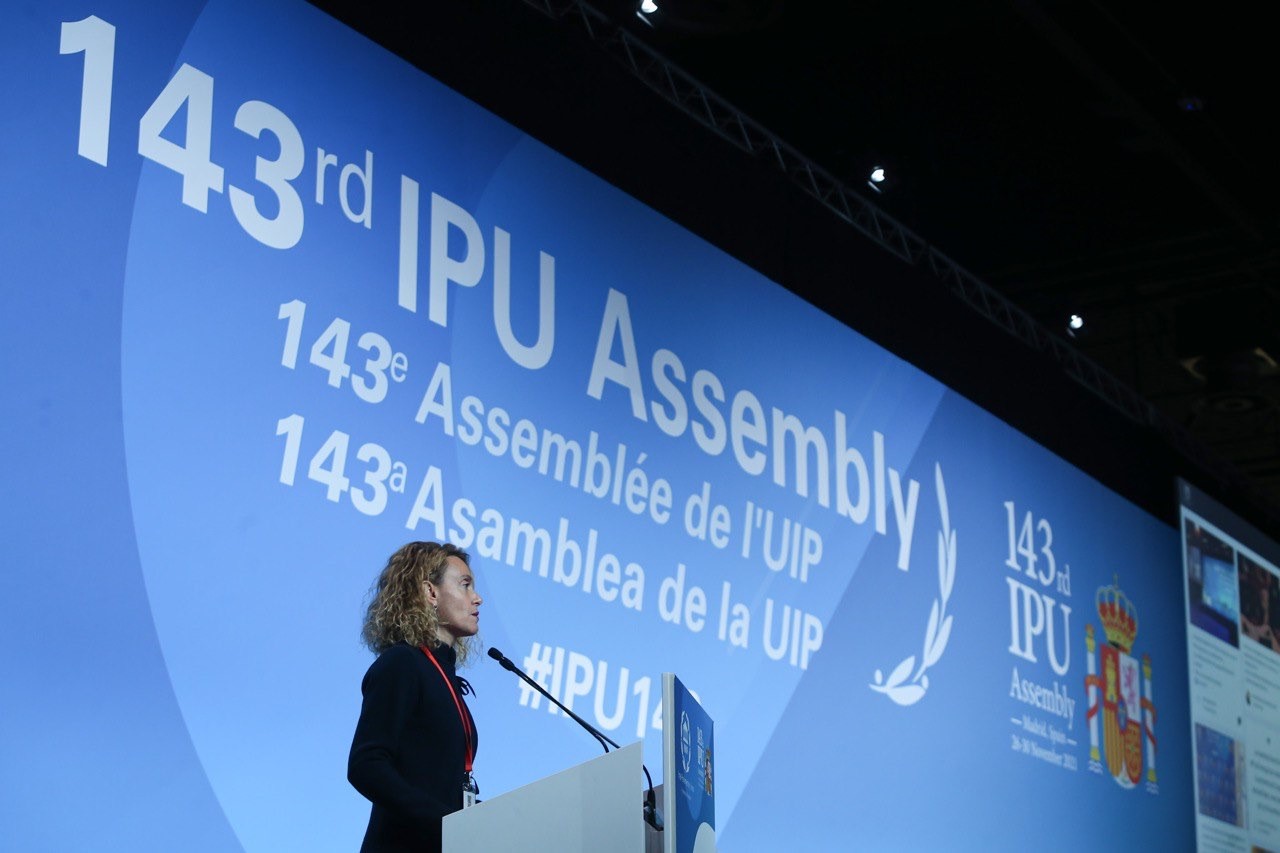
{"points": [[415, 741]]}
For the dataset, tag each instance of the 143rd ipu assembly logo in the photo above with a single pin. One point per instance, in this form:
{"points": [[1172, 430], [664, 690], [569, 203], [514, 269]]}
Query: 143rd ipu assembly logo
{"points": [[1122, 716]]}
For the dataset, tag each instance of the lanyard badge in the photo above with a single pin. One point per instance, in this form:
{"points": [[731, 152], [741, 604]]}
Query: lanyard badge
{"points": [[469, 787], [470, 790]]}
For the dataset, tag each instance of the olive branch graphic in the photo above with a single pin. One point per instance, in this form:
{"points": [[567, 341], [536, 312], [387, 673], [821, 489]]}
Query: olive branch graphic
{"points": [[897, 686]]}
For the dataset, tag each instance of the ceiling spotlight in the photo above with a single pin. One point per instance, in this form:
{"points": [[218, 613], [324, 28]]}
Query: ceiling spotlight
{"points": [[1075, 325], [646, 11], [876, 179]]}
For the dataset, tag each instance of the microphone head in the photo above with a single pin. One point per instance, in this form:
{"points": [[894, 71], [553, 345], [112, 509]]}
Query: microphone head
{"points": [[502, 660]]}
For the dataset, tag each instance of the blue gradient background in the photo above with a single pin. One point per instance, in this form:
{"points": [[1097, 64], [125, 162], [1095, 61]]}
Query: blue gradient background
{"points": [[181, 660]]}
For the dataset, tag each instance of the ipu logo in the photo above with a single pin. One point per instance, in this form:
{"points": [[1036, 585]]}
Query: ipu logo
{"points": [[686, 742]]}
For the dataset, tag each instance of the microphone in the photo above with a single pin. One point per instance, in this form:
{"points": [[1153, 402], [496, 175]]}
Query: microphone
{"points": [[651, 815], [506, 664]]}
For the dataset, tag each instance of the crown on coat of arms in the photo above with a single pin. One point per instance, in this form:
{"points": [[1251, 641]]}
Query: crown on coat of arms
{"points": [[1118, 615]]}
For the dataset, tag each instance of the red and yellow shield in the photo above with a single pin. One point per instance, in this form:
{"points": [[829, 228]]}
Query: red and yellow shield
{"points": [[1121, 716]]}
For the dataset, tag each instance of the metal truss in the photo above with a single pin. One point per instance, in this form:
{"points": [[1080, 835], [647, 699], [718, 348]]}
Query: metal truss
{"points": [[716, 114]]}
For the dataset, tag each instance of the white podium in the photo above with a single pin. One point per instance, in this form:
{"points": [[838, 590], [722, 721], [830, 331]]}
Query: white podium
{"points": [[592, 807]]}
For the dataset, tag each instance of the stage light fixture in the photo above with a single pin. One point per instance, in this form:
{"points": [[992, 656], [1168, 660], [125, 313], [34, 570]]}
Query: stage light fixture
{"points": [[1075, 325], [647, 11], [876, 179]]}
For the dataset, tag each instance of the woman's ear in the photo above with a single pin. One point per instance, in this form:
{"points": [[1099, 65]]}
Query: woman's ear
{"points": [[429, 593]]}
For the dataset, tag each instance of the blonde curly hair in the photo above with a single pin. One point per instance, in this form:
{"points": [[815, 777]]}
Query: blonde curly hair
{"points": [[397, 611]]}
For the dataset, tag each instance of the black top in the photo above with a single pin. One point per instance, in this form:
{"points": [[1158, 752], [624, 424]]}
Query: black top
{"points": [[408, 756]]}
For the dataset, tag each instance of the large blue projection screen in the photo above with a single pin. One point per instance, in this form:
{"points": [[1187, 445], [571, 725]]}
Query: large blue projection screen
{"points": [[1232, 573], [276, 303]]}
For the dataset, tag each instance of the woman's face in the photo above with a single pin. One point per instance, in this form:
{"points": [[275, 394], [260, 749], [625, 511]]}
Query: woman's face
{"points": [[456, 601]]}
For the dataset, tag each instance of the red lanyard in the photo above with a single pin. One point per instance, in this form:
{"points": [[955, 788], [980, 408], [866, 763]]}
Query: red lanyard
{"points": [[462, 715]]}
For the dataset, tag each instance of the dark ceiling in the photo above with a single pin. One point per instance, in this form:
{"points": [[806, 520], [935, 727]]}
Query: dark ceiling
{"points": [[1111, 160]]}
